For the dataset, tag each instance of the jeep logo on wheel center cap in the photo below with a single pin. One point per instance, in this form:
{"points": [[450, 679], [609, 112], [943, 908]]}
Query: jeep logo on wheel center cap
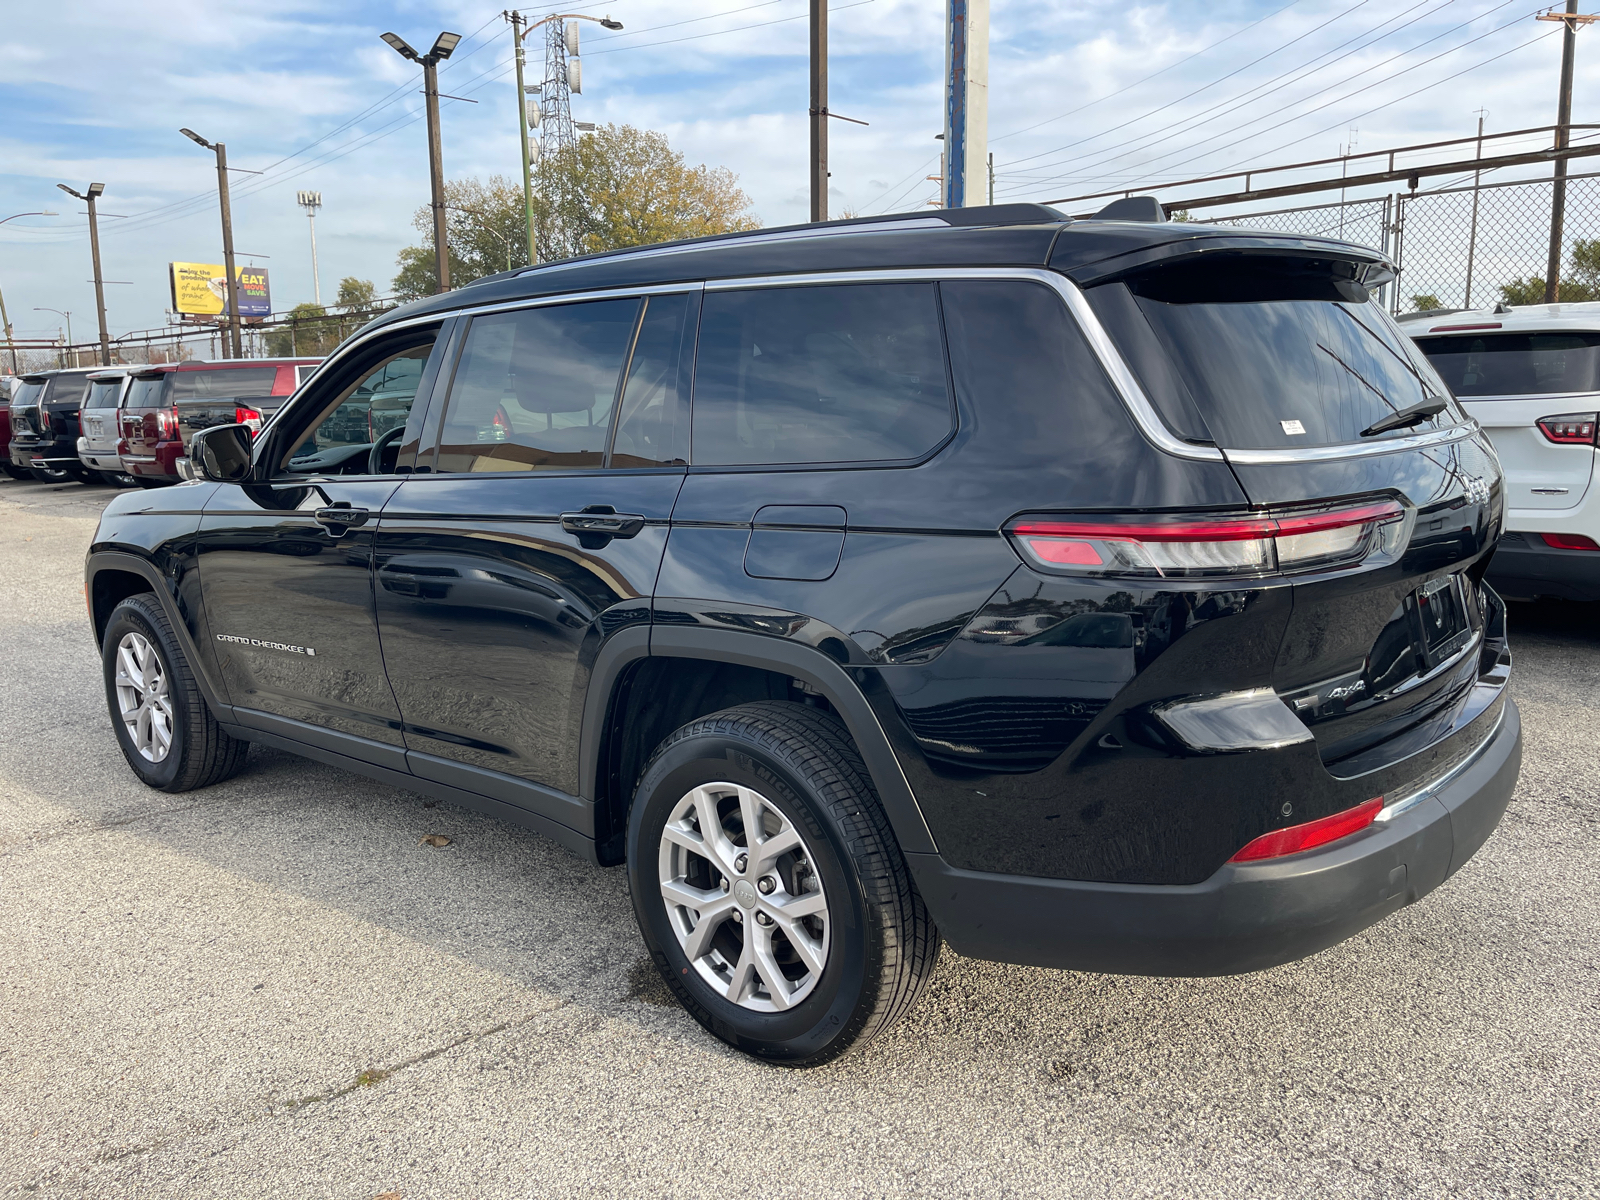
{"points": [[745, 894]]}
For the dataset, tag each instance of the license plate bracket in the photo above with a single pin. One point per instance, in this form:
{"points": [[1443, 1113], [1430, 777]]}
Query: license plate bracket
{"points": [[1441, 608]]}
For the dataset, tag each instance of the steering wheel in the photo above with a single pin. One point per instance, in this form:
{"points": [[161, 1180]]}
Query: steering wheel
{"points": [[375, 455]]}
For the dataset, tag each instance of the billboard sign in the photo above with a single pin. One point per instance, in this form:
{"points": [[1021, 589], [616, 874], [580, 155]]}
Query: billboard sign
{"points": [[201, 290]]}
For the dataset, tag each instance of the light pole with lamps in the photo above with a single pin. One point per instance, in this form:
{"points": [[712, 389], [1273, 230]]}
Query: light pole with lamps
{"points": [[227, 239], [68, 316], [5, 320], [89, 197], [520, 29], [443, 46]]}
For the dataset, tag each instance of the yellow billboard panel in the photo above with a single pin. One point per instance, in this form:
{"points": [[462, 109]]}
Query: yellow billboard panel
{"points": [[201, 289]]}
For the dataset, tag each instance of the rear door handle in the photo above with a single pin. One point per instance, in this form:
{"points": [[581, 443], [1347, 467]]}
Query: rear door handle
{"points": [[607, 524], [343, 517]]}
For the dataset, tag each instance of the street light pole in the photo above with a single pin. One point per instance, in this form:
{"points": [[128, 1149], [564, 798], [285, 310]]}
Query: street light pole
{"points": [[89, 198], [521, 27], [5, 321], [443, 46], [62, 313], [1558, 193], [819, 110], [227, 241]]}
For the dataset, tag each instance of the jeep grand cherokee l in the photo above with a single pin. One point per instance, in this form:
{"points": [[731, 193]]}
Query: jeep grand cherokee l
{"points": [[1102, 595]]}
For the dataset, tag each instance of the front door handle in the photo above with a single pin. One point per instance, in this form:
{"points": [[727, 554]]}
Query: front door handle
{"points": [[341, 517], [605, 524]]}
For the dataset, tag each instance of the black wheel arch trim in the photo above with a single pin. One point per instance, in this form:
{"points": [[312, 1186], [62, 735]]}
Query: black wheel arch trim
{"points": [[768, 654], [199, 664]]}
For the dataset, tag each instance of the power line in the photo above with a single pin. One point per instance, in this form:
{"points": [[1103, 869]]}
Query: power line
{"points": [[739, 29]]}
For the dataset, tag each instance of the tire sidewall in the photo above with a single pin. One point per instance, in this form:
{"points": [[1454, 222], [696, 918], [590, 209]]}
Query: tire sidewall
{"points": [[854, 955], [127, 618]]}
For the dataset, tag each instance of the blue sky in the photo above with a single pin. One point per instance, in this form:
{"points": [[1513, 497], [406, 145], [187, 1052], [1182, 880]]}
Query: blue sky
{"points": [[1084, 94]]}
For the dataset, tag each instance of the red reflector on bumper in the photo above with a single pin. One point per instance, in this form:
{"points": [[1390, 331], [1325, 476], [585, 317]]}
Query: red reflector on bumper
{"points": [[1569, 541], [1312, 834]]}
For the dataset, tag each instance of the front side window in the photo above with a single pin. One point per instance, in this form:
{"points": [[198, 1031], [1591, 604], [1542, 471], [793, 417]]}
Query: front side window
{"points": [[1516, 364], [827, 374], [377, 401], [535, 388]]}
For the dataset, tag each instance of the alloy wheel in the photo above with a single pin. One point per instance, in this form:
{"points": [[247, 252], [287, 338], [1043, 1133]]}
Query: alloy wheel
{"points": [[743, 897], [143, 701]]}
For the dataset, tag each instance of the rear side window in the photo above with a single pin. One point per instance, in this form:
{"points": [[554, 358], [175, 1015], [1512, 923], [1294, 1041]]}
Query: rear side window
{"points": [[1280, 354], [535, 389], [829, 374], [1516, 364], [230, 383]]}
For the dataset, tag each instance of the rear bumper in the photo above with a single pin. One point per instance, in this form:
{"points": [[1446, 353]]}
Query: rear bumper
{"points": [[1524, 568], [161, 464], [1246, 917], [98, 460]]}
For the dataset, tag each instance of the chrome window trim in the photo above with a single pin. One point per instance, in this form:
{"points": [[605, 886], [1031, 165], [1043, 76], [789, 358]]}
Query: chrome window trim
{"points": [[1132, 393]]}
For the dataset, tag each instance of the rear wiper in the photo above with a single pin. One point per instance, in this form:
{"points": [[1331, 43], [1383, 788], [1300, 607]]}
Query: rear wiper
{"points": [[1414, 415]]}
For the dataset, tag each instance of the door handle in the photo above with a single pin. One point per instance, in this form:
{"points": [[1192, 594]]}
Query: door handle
{"points": [[341, 516], [605, 524]]}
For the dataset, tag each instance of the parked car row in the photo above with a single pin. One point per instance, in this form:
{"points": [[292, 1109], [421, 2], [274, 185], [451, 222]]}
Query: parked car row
{"points": [[131, 425]]}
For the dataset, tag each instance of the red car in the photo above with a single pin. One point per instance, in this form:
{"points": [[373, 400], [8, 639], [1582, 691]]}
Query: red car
{"points": [[168, 403]]}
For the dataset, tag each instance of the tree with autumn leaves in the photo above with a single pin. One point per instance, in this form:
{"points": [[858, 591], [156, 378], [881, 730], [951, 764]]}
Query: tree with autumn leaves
{"points": [[619, 186]]}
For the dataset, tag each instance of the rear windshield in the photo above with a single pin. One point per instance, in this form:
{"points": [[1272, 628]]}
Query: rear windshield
{"points": [[67, 389], [228, 383], [1274, 354], [26, 395], [1516, 364], [103, 393], [146, 393]]}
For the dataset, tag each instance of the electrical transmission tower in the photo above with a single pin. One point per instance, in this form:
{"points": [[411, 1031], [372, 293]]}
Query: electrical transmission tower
{"points": [[563, 78]]}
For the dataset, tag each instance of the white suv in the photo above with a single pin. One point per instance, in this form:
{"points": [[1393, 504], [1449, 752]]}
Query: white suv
{"points": [[1531, 376]]}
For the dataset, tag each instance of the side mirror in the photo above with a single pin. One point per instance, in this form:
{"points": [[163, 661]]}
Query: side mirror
{"points": [[221, 454]]}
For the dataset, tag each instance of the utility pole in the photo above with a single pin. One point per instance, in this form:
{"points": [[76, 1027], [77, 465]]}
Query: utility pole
{"points": [[232, 278], [819, 110], [966, 108], [311, 201], [1558, 193], [1472, 237], [443, 46], [991, 177], [522, 129], [89, 198]]}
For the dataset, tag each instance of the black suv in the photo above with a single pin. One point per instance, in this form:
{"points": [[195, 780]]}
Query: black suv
{"points": [[1100, 594], [45, 426]]}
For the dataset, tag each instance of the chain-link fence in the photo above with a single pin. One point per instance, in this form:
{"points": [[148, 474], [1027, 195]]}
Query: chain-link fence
{"points": [[1460, 247]]}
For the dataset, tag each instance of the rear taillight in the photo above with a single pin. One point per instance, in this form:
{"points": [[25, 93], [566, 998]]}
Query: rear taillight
{"points": [[1312, 834], [1569, 429], [167, 422], [1569, 541], [1258, 544], [245, 415]]}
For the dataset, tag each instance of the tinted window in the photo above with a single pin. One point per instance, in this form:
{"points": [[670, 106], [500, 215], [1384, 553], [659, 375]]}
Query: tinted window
{"points": [[653, 428], [146, 393], [847, 373], [226, 384], [26, 395], [1283, 354], [1516, 364], [534, 389], [103, 393], [66, 389]]}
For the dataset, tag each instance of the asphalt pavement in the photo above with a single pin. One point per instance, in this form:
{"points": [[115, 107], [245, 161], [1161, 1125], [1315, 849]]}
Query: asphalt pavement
{"points": [[274, 988]]}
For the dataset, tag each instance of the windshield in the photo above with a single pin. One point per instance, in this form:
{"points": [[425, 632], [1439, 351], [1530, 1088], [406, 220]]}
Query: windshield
{"points": [[1516, 364], [1275, 354], [227, 383], [146, 393], [103, 393]]}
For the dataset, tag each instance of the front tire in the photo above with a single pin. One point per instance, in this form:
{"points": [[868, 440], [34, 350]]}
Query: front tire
{"points": [[802, 940], [163, 724]]}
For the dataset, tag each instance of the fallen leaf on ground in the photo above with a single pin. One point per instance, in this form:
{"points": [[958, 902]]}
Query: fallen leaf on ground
{"points": [[387, 1196], [434, 839]]}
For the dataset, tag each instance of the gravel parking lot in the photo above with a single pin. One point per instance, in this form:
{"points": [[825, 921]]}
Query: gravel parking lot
{"points": [[273, 988]]}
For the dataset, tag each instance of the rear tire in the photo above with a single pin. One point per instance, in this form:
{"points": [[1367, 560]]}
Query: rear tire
{"points": [[801, 952], [163, 724], [49, 474], [15, 471]]}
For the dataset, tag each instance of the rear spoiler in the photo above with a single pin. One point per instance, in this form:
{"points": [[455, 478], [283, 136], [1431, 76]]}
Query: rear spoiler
{"points": [[1085, 259]]}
